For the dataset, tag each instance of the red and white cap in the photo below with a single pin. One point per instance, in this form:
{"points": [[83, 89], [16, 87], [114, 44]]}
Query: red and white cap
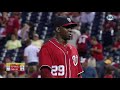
{"points": [[64, 22]]}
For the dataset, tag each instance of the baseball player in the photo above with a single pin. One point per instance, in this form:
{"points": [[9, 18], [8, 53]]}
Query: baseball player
{"points": [[57, 59]]}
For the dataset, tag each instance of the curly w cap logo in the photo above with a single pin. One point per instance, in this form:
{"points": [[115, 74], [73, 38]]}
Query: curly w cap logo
{"points": [[69, 19]]}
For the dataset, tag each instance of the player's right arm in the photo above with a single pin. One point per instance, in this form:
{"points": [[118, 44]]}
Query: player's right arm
{"points": [[46, 72], [45, 63]]}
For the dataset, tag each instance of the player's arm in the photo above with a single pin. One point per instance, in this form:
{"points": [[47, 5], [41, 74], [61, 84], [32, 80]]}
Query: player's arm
{"points": [[45, 63], [46, 72]]}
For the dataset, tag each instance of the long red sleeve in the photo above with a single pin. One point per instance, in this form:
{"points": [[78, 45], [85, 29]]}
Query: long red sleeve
{"points": [[46, 73]]}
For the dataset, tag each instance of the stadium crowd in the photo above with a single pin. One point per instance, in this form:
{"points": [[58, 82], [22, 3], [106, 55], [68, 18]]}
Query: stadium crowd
{"points": [[97, 39]]}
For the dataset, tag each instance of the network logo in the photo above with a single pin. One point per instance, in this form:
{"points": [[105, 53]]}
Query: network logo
{"points": [[110, 17]]}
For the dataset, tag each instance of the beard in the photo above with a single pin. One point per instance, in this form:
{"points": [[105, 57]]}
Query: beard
{"points": [[68, 37]]}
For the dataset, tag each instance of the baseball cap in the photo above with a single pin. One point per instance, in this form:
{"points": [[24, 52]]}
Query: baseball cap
{"points": [[36, 35], [107, 61], [64, 22]]}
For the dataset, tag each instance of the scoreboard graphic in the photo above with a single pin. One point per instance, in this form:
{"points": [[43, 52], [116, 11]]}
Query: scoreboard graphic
{"points": [[15, 66]]}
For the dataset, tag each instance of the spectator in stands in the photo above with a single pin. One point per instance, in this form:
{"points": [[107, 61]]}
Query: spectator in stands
{"points": [[97, 53], [3, 73], [108, 61], [87, 18], [3, 22], [65, 14], [116, 15], [31, 30], [7, 60], [31, 55], [13, 43], [37, 42], [33, 72], [13, 24], [16, 74], [115, 50], [83, 43], [108, 72], [116, 45], [21, 74], [119, 70], [3, 19], [89, 72], [109, 24], [75, 35], [117, 34], [23, 33], [116, 71], [75, 17], [92, 62], [10, 74], [110, 68], [107, 38]]}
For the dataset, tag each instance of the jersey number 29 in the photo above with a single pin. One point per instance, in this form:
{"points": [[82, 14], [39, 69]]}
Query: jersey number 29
{"points": [[57, 70]]}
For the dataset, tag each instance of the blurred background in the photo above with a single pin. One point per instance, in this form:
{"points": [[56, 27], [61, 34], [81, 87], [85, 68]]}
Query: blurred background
{"points": [[17, 27]]}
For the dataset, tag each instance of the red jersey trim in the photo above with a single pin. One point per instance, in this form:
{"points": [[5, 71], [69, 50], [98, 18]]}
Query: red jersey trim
{"points": [[80, 72], [69, 69], [46, 66]]}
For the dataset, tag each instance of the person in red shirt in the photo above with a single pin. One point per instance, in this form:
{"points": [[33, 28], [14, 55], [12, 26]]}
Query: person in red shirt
{"points": [[109, 73], [97, 53], [82, 43], [97, 49], [57, 58], [3, 19], [109, 24], [13, 24], [3, 73], [3, 22]]}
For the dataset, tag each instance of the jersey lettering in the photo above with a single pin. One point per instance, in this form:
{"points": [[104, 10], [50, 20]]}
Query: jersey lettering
{"points": [[58, 70], [75, 59], [82, 40]]}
